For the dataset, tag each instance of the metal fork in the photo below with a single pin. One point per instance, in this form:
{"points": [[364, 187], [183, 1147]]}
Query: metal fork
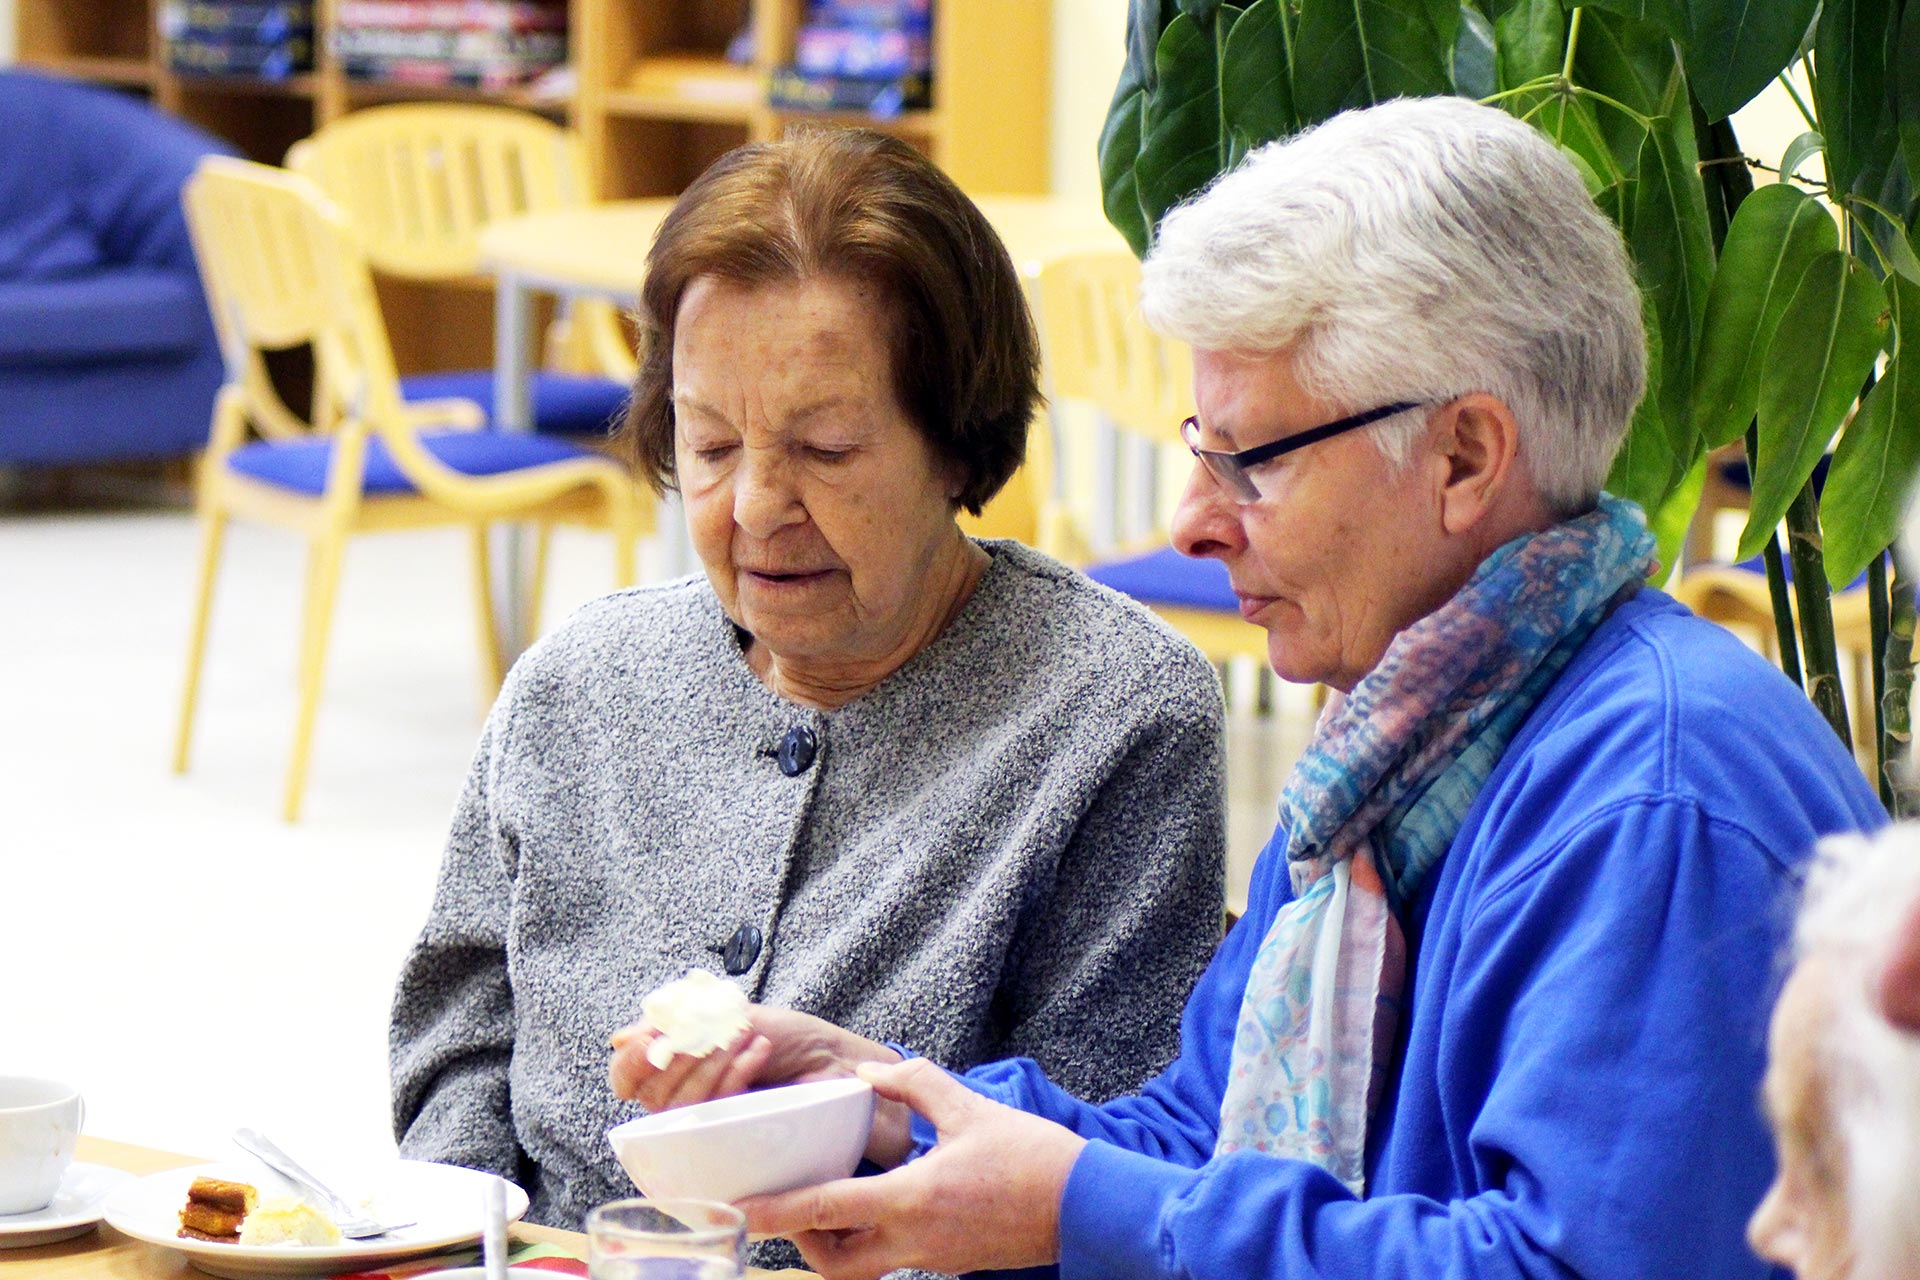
{"points": [[353, 1224]]}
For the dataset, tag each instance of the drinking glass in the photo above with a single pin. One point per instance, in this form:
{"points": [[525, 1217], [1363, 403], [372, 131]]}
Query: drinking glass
{"points": [[666, 1240]]}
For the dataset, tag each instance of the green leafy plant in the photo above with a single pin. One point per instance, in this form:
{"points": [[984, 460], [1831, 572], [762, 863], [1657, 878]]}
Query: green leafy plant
{"points": [[1775, 313]]}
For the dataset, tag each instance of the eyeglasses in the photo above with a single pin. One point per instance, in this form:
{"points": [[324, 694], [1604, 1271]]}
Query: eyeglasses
{"points": [[1230, 469]]}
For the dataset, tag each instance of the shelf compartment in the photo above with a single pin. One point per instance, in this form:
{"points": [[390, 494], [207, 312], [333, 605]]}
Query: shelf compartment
{"points": [[367, 92], [133, 73], [303, 85], [684, 86]]}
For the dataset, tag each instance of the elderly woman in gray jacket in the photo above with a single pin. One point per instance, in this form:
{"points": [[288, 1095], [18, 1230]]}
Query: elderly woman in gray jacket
{"points": [[932, 789]]}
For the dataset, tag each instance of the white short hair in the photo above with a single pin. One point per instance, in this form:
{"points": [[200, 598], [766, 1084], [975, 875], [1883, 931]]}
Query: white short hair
{"points": [[1860, 893], [1420, 249]]}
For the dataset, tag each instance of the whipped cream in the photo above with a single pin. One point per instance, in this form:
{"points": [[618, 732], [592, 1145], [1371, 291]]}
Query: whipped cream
{"points": [[694, 1015], [287, 1220]]}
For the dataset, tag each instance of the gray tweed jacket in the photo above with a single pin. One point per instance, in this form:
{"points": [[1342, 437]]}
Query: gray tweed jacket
{"points": [[1012, 847]]}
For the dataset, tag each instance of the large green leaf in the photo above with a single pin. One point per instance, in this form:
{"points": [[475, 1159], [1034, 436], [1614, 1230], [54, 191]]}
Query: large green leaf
{"points": [[1670, 521], [1182, 147], [1120, 135], [1734, 48], [1649, 458], [1256, 88], [1850, 91], [1365, 51], [1119, 189], [1777, 233], [1668, 15], [1633, 63], [1903, 73], [1673, 254], [1822, 350], [1531, 39], [1873, 471], [1474, 72]]}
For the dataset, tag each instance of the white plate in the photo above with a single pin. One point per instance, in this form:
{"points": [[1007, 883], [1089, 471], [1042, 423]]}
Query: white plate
{"points": [[444, 1203], [77, 1206]]}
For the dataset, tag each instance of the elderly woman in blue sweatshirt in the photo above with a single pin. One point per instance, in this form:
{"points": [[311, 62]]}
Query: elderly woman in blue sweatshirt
{"points": [[1498, 1004]]}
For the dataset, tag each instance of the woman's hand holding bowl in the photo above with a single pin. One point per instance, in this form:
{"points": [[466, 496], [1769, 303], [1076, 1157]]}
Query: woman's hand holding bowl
{"points": [[779, 1047]]}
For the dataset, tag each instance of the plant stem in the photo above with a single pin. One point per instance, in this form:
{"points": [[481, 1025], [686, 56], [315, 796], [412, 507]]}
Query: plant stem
{"points": [[1816, 611], [1776, 580], [1896, 703], [1877, 625], [1573, 44], [1580, 90]]}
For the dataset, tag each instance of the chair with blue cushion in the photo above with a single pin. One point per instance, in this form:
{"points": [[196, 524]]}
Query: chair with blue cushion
{"points": [[1099, 351], [106, 349], [283, 268], [420, 181]]}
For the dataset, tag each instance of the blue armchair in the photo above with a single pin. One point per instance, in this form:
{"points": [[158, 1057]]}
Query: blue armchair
{"points": [[106, 349]]}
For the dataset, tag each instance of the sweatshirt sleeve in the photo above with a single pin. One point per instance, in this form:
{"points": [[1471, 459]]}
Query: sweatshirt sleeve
{"points": [[450, 1044], [1096, 981], [1606, 1034], [1175, 1116]]}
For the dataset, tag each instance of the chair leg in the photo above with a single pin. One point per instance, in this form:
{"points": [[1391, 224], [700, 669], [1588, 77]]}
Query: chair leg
{"points": [[537, 586], [213, 528], [491, 661], [323, 581]]}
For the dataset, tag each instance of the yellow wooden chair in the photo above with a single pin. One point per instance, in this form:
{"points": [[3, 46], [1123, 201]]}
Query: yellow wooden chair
{"points": [[421, 180], [1098, 350], [282, 268]]}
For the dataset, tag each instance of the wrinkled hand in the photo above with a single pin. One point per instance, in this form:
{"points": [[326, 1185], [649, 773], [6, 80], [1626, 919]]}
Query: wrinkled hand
{"points": [[778, 1047], [987, 1197]]}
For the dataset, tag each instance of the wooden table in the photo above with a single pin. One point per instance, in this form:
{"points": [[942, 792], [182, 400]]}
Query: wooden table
{"points": [[105, 1254], [600, 251]]}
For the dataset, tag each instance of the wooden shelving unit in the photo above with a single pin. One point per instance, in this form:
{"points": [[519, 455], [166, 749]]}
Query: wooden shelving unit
{"points": [[653, 97]]}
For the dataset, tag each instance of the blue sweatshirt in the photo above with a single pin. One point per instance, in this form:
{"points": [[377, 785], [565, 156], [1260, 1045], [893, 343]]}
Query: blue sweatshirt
{"points": [[1594, 964]]}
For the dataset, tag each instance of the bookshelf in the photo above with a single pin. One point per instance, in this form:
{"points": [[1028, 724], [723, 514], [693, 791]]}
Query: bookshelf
{"points": [[652, 95]]}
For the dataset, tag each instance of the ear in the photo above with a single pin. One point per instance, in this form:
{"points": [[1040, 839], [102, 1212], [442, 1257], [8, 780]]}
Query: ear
{"points": [[1481, 442]]}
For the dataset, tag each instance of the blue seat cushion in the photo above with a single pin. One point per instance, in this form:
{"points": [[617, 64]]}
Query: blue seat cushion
{"points": [[563, 403], [124, 314], [301, 465], [1165, 577]]}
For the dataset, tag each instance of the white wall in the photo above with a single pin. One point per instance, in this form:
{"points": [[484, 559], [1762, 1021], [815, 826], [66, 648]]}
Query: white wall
{"points": [[6, 31], [1089, 47]]}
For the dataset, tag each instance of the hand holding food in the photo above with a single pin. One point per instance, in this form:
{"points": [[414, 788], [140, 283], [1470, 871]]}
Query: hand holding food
{"points": [[771, 1047]]}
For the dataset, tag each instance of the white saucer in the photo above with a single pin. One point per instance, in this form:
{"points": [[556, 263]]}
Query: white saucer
{"points": [[77, 1207]]}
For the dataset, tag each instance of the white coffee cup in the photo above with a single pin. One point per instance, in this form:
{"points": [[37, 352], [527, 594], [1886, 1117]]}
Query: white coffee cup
{"points": [[39, 1123]]}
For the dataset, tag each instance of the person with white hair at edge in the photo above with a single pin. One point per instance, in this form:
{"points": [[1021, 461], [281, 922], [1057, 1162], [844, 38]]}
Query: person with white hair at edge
{"points": [[1843, 1083], [1497, 1007]]}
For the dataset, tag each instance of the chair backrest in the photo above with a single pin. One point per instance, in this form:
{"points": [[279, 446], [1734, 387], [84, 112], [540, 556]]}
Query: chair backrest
{"points": [[1098, 351], [283, 266], [264, 278], [421, 180]]}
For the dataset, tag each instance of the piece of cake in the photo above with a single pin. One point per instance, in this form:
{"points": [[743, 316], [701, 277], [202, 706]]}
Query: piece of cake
{"points": [[215, 1210], [287, 1220], [694, 1015]]}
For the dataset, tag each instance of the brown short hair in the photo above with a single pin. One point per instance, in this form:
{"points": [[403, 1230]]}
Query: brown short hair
{"points": [[859, 204]]}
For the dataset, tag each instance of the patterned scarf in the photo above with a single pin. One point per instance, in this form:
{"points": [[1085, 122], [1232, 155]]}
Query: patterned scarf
{"points": [[1389, 776]]}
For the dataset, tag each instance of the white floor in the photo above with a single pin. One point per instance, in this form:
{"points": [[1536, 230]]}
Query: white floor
{"points": [[167, 943]]}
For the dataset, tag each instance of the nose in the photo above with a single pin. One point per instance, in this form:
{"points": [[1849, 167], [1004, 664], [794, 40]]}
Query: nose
{"points": [[765, 497], [1767, 1231], [1206, 521]]}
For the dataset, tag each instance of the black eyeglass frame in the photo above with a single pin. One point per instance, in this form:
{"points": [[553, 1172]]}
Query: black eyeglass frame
{"points": [[1230, 469]]}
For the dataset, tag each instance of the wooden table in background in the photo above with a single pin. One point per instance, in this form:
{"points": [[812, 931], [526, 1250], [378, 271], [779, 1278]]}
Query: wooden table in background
{"points": [[105, 1254]]}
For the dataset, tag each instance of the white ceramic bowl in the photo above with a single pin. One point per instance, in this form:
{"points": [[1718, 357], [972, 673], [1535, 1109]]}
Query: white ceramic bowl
{"points": [[749, 1145]]}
